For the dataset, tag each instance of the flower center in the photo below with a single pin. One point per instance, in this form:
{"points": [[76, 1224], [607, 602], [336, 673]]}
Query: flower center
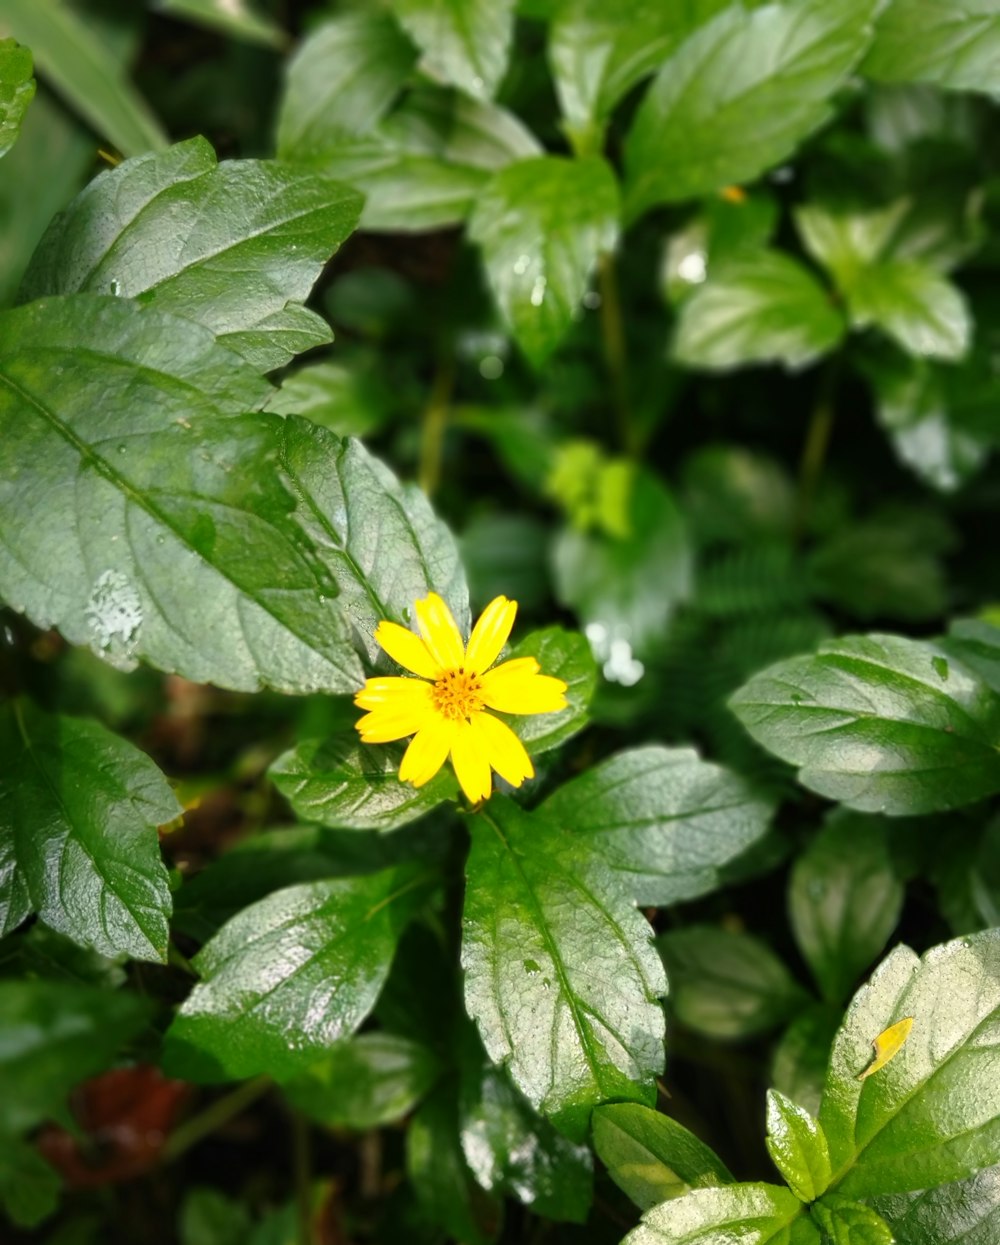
{"points": [[456, 694]]}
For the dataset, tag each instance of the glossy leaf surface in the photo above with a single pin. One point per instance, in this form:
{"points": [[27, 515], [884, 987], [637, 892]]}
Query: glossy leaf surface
{"points": [[796, 1143], [752, 1214], [953, 43], [466, 42], [17, 89]]}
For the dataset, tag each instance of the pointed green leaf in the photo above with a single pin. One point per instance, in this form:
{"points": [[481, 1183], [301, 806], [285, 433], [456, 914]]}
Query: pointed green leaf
{"points": [[753, 1214], [559, 974], [924, 312], [880, 723], [17, 90], [850, 1223], [763, 308], [953, 43], [79, 809], [289, 976], [235, 246], [739, 95], [931, 1114], [964, 1213], [466, 42], [650, 1156], [129, 500], [662, 818], [235, 18], [844, 900], [796, 1143], [541, 225]]}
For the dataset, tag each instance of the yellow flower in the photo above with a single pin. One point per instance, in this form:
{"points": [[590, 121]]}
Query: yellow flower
{"points": [[445, 708]]}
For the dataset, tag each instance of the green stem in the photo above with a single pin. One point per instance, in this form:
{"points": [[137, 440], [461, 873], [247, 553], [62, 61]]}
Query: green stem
{"points": [[433, 424], [615, 353], [815, 449], [220, 1112]]}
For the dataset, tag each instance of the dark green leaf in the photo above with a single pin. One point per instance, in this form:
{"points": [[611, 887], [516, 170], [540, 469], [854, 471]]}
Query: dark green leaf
{"points": [[564, 655], [79, 809], [662, 818], [796, 1143], [79, 64], [753, 1214], [542, 224], [365, 1082], [650, 1156], [208, 1217], [29, 1186], [798, 1068], [976, 642], [130, 500], [932, 1113], [560, 977], [235, 246], [235, 18], [17, 90], [966, 1213], [347, 402], [726, 984], [465, 42], [765, 308], [54, 1036], [921, 310], [953, 43], [880, 723], [290, 975], [850, 1223], [739, 95]]}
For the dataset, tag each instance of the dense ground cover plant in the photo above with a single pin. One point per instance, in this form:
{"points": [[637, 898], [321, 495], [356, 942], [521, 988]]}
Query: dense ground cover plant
{"points": [[331, 328]]}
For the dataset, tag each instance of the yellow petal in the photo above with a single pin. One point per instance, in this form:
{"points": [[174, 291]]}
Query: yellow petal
{"points": [[887, 1045], [471, 766], [380, 692], [514, 688], [441, 635], [407, 649], [395, 721], [489, 635], [427, 752], [503, 749]]}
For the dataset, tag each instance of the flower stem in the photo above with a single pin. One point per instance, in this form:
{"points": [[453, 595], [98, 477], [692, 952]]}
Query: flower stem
{"points": [[615, 353], [815, 448], [433, 424], [218, 1113]]}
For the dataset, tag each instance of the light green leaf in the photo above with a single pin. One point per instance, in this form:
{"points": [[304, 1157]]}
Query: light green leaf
{"points": [[881, 723], [542, 224], [964, 1213], [796, 1143], [932, 1113], [80, 66], [235, 18], [130, 498], [17, 90], [727, 984], [953, 43], [347, 401], [599, 53], [924, 312], [850, 1223], [662, 818], [235, 246], [559, 974], [79, 809], [739, 95], [753, 1214], [650, 1156], [290, 975], [365, 1082], [55, 1036], [29, 1186], [846, 243], [563, 655], [844, 900], [764, 308], [466, 42]]}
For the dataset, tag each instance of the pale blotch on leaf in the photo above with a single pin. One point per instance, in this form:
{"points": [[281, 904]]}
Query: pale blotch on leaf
{"points": [[887, 1045]]}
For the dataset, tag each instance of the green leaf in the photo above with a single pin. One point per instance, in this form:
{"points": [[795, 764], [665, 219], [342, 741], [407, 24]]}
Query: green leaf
{"points": [[924, 312], [753, 1214], [881, 723], [563, 655], [764, 308], [739, 95], [349, 402], [290, 975], [56, 1035], [850, 1223], [598, 53], [342, 782], [230, 17], [953, 43], [796, 1143], [725, 984], [235, 246], [932, 1113], [964, 1213], [798, 1068], [663, 819], [29, 1186], [17, 90], [624, 590], [844, 900], [976, 642], [650, 1156], [559, 974], [209, 1217], [465, 42], [129, 500], [848, 242], [81, 67], [342, 81], [365, 1082], [542, 224], [79, 809]]}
